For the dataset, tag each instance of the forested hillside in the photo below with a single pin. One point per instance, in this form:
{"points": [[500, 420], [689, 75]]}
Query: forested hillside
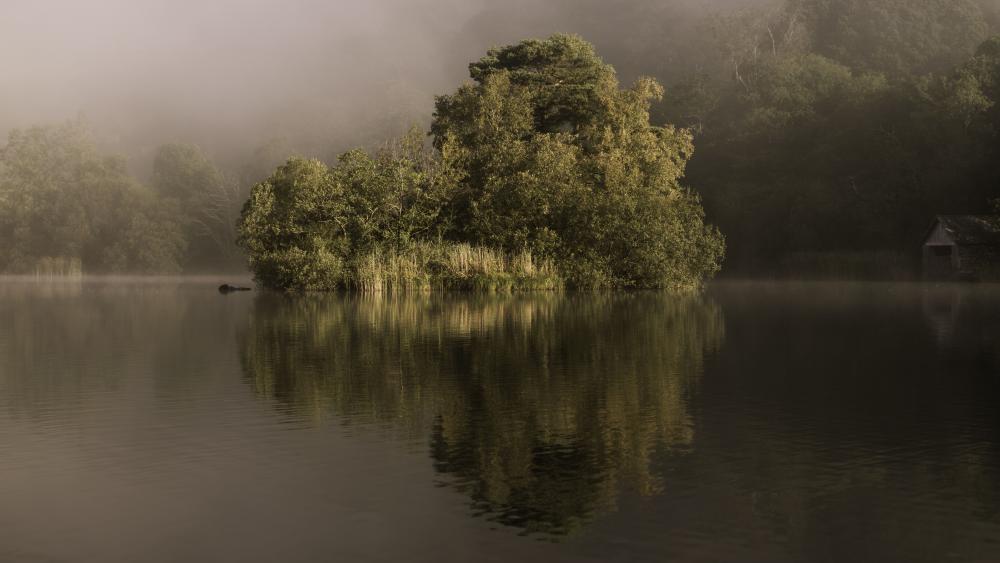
{"points": [[825, 133]]}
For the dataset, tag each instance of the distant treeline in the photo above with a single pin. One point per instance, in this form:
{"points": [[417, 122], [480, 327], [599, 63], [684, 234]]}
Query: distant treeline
{"points": [[65, 208], [827, 134], [832, 131]]}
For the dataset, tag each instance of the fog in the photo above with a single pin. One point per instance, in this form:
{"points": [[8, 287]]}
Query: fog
{"points": [[230, 75], [826, 132]]}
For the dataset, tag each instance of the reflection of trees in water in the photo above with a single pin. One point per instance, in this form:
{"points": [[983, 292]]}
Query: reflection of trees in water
{"points": [[62, 344], [60, 340], [841, 426], [541, 408]]}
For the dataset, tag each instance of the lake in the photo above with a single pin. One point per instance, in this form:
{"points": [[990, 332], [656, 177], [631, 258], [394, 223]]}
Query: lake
{"points": [[159, 421]]}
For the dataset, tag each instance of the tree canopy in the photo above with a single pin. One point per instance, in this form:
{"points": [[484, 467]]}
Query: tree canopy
{"points": [[831, 132], [896, 37], [61, 199], [543, 153], [208, 201]]}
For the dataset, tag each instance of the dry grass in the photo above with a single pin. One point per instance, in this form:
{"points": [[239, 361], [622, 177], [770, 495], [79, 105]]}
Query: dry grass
{"points": [[58, 267], [427, 266], [380, 271]]}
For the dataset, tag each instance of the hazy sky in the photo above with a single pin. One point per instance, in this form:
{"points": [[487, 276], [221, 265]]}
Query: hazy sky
{"points": [[226, 73], [238, 67]]}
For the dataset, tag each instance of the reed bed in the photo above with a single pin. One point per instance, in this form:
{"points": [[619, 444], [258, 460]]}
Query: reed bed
{"points": [[443, 266], [58, 268]]}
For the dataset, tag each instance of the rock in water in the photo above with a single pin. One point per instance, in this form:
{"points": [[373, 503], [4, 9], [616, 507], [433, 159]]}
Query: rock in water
{"points": [[226, 288]]}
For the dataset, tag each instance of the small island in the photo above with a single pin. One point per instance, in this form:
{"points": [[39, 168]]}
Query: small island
{"points": [[542, 174]]}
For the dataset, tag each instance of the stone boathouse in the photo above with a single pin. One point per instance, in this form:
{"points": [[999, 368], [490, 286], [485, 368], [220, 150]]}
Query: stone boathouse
{"points": [[963, 247]]}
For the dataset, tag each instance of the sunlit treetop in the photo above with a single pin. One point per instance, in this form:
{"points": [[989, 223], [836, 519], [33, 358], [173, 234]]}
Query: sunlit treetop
{"points": [[557, 158], [564, 73], [560, 83]]}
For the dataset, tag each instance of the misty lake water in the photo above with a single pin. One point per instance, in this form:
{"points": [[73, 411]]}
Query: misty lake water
{"points": [[160, 421]]}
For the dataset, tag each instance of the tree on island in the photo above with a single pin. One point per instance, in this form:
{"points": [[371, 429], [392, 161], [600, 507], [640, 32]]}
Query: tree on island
{"points": [[542, 156]]}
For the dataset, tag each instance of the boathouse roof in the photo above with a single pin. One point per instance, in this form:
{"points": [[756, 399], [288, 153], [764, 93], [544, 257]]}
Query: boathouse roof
{"points": [[966, 230]]}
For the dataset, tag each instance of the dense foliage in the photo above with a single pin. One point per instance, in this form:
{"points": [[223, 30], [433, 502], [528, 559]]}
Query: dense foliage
{"points": [[543, 155], [828, 132], [62, 202], [558, 160], [824, 145], [208, 201], [66, 208]]}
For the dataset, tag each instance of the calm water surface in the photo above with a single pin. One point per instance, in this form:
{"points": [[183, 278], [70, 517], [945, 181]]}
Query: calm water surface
{"points": [[159, 421]]}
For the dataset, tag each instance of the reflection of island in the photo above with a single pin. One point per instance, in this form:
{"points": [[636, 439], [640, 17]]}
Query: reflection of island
{"points": [[60, 340], [541, 408]]}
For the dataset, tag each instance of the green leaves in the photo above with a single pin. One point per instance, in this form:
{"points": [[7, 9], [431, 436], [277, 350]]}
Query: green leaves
{"points": [[303, 226], [542, 155], [207, 200], [559, 161], [895, 37], [395, 196], [61, 199]]}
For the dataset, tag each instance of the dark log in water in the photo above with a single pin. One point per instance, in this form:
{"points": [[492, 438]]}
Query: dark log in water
{"points": [[226, 288]]}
